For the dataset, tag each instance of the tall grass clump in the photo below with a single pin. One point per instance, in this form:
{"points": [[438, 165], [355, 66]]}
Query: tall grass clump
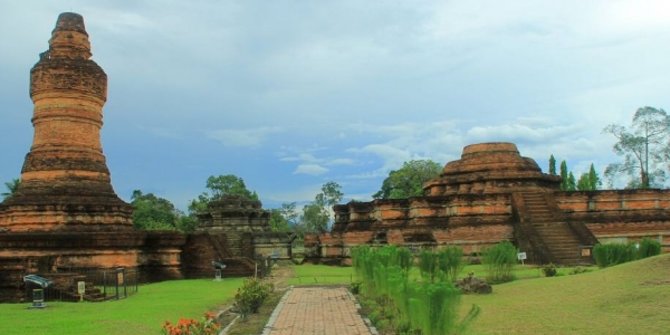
{"points": [[444, 265], [613, 253], [427, 307], [451, 262], [499, 261], [648, 247], [616, 253]]}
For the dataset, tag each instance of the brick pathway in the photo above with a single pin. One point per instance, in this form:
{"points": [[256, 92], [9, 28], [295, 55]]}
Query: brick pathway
{"points": [[316, 311]]}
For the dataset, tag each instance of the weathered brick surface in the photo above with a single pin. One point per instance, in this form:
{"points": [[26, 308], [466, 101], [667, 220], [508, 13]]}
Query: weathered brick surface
{"points": [[65, 181]]}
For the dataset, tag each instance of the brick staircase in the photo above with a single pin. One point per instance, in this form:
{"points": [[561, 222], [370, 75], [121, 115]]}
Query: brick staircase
{"points": [[231, 254], [561, 244]]}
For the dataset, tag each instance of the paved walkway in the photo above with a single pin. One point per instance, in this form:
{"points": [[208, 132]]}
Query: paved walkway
{"points": [[316, 311]]}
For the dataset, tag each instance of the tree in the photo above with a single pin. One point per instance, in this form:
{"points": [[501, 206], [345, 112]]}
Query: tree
{"points": [[564, 176], [317, 214], [12, 186], [552, 165], [315, 218], [330, 194], [571, 184], [408, 180], [156, 213], [225, 185], [644, 147], [220, 187], [594, 179], [277, 222], [285, 218], [589, 181]]}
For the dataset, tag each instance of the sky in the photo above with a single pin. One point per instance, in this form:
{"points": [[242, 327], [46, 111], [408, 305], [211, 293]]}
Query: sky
{"points": [[289, 95]]}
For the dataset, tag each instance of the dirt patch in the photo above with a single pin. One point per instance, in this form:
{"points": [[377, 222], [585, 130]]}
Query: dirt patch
{"points": [[656, 282]]}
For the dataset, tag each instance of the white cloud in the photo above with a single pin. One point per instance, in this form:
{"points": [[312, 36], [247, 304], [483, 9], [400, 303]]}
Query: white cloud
{"points": [[310, 169], [340, 161], [252, 137]]}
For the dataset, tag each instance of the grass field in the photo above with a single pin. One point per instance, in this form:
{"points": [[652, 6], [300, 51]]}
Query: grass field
{"points": [[143, 313], [308, 274], [632, 298]]}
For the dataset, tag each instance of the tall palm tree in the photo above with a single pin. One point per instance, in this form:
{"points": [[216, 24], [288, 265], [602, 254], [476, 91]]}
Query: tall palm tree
{"points": [[12, 187]]}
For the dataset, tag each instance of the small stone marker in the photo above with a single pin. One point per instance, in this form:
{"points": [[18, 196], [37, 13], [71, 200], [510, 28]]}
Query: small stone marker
{"points": [[81, 289]]}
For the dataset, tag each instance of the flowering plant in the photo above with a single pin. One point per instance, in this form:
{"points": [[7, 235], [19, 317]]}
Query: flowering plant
{"points": [[207, 325]]}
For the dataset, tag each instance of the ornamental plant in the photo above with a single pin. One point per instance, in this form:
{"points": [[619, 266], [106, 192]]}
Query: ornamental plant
{"points": [[251, 295], [499, 261], [425, 307], [207, 325]]}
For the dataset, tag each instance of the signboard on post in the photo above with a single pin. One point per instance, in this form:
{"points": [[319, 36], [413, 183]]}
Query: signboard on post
{"points": [[521, 256]]}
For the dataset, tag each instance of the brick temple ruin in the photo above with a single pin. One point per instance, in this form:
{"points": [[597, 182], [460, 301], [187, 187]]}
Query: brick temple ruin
{"points": [[66, 219], [493, 194]]}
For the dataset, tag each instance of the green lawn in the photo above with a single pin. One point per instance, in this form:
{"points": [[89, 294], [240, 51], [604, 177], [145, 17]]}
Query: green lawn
{"points": [[632, 298], [143, 313], [310, 274]]}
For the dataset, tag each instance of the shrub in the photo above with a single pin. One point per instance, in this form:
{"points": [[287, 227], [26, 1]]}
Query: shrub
{"points": [[251, 295], [613, 254], [499, 261], [648, 247], [355, 287], [549, 270]]}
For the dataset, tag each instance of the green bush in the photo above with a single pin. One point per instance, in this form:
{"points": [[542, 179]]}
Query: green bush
{"points": [[251, 295], [648, 247], [549, 270], [499, 261], [613, 254]]}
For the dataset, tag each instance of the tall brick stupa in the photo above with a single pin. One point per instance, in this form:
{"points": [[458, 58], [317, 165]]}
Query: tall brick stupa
{"points": [[65, 182]]}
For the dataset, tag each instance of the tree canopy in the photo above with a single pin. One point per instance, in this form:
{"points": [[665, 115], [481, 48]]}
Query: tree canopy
{"points": [[218, 187], [11, 186], [317, 214], [156, 213], [408, 180], [589, 181], [285, 218], [644, 148]]}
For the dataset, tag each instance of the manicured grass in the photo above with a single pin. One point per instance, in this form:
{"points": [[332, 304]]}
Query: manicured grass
{"points": [[142, 313], [632, 298]]}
